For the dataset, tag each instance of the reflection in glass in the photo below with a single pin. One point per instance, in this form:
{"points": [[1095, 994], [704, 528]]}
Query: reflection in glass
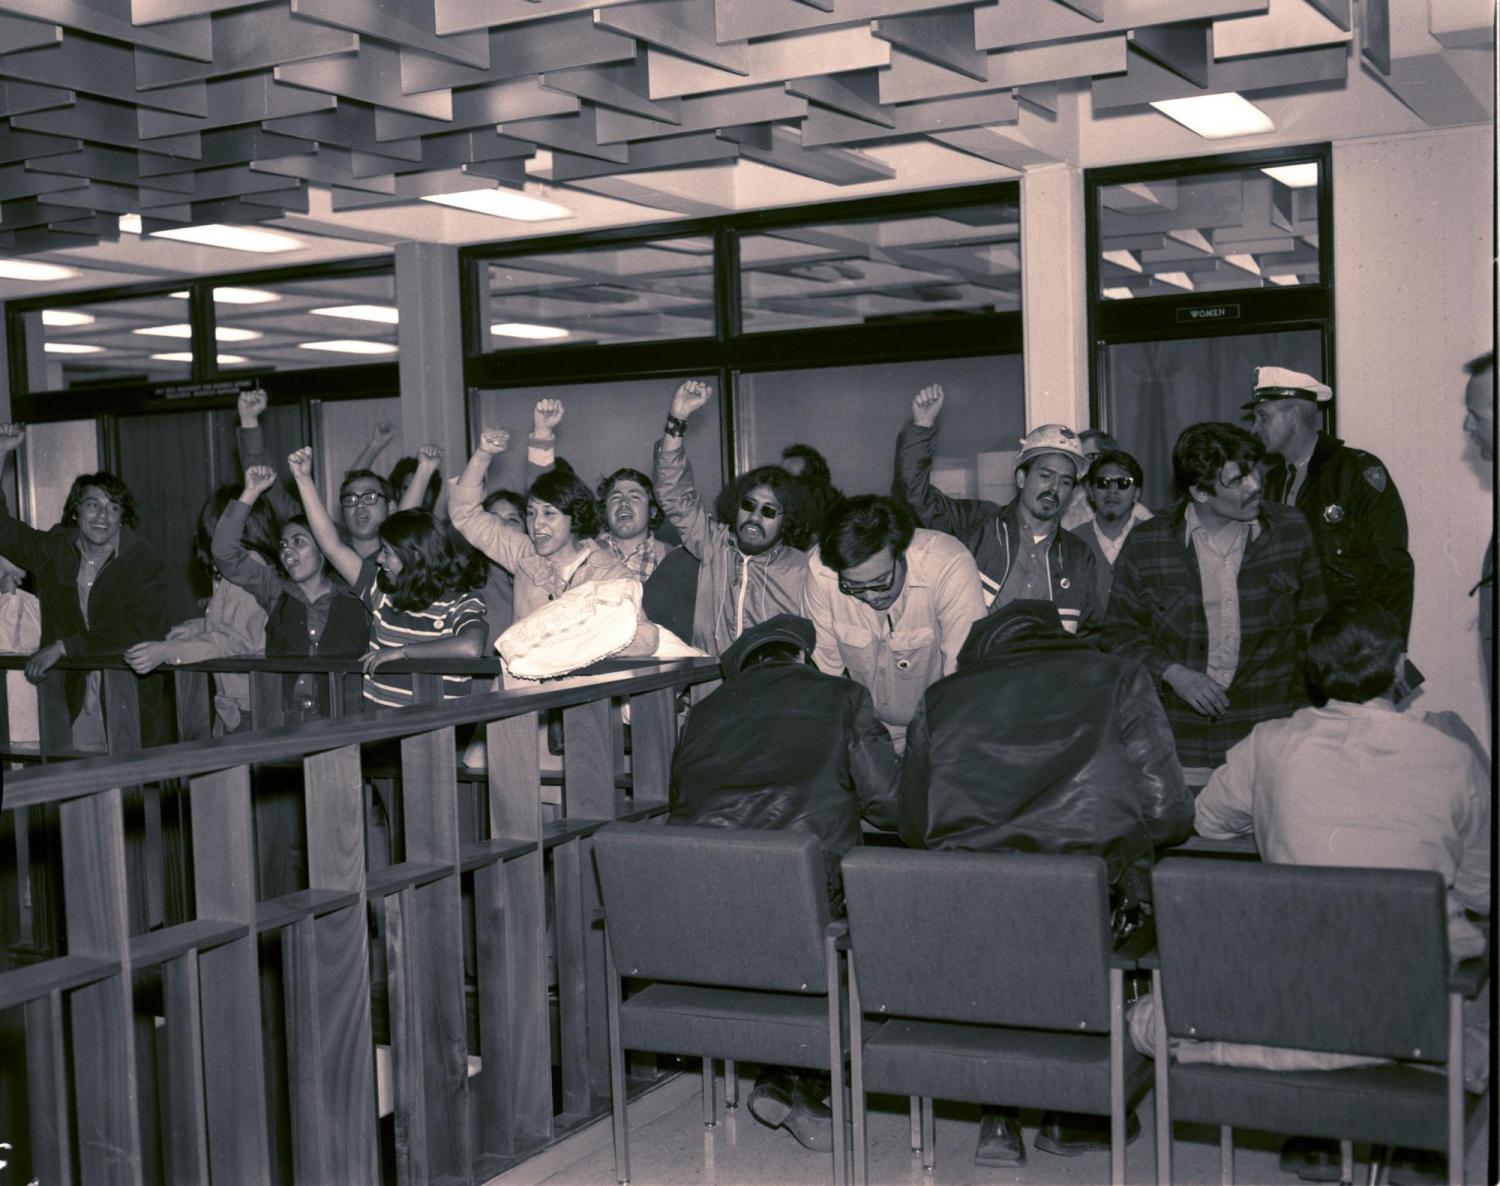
{"points": [[1213, 232], [939, 264], [308, 323], [106, 342]]}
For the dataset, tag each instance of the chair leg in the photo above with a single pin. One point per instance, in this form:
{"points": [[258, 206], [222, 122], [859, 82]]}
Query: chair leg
{"points": [[1456, 1110], [731, 1086], [857, 1081], [1117, 1077], [1162, 1058], [708, 1092], [1226, 1155], [1379, 1155], [835, 987], [616, 1071], [929, 1135], [1346, 1163], [916, 1123]]}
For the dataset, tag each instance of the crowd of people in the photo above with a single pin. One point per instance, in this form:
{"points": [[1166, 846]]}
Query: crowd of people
{"points": [[1060, 674]]}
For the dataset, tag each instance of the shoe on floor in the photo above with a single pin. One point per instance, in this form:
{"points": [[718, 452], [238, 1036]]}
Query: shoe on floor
{"points": [[1313, 1159], [780, 1101], [1000, 1140], [1417, 1167], [1067, 1134]]}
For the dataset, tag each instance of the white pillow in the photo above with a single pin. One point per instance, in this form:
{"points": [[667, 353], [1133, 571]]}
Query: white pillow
{"points": [[582, 626]]}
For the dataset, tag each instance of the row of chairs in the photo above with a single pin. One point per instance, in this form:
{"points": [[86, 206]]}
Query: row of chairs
{"points": [[994, 979]]}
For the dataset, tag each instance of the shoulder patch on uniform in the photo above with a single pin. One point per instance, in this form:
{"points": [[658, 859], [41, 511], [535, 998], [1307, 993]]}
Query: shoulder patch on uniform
{"points": [[1375, 475]]}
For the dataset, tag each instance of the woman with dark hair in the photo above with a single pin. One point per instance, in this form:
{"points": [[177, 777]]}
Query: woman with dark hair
{"points": [[420, 593], [309, 610], [233, 622], [811, 468]]}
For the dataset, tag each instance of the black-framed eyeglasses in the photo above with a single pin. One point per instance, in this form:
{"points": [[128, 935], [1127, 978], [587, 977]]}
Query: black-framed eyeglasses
{"points": [[765, 510], [1112, 483], [367, 498], [878, 585]]}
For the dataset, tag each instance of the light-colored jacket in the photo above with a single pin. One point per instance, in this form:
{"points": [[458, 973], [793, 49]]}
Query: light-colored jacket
{"points": [[233, 623], [900, 652], [735, 591]]}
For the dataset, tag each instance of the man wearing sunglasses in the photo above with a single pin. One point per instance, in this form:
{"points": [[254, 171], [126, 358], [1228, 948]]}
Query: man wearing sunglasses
{"points": [[1113, 489], [1021, 552], [892, 604]]}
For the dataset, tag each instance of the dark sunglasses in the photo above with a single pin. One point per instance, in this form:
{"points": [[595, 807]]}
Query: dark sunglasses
{"points": [[879, 585], [1112, 483], [764, 510]]}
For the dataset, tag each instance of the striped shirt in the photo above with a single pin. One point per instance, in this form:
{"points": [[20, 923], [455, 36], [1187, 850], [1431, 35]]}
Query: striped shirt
{"points": [[392, 627]]}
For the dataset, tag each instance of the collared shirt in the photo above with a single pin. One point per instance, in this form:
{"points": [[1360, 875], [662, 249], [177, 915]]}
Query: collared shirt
{"points": [[1029, 576], [641, 560], [1110, 548], [89, 568], [1220, 552], [1297, 468], [1363, 785], [897, 653]]}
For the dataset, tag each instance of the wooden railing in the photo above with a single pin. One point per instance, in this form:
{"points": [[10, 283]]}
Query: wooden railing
{"points": [[419, 1002]]}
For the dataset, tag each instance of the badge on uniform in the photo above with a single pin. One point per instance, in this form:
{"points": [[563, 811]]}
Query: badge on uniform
{"points": [[1375, 475], [1064, 583], [1333, 513]]}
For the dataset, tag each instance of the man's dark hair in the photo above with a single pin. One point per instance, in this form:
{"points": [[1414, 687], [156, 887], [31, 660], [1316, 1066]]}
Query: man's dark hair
{"points": [[354, 475], [515, 498], [777, 650], [430, 569], [1116, 457], [404, 469], [115, 490], [814, 465], [792, 493], [859, 527], [261, 533], [1104, 438], [656, 516], [1203, 450], [565, 490], [1478, 366], [1352, 651]]}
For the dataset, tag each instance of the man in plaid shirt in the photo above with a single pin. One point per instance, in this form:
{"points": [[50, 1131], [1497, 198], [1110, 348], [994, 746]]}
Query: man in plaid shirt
{"points": [[1216, 598]]}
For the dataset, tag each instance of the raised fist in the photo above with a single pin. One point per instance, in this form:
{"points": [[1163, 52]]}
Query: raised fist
{"points": [[691, 396], [251, 404], [430, 456], [300, 462], [545, 417], [383, 432], [11, 436], [259, 479], [494, 440], [926, 406]]}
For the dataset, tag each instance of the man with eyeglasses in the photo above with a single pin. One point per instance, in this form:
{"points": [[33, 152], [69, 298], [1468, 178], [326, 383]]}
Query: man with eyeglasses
{"points": [[1217, 598], [892, 604], [752, 562], [1020, 550], [1112, 488], [102, 589]]}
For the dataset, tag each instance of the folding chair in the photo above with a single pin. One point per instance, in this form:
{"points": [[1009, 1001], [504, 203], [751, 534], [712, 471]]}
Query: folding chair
{"points": [[997, 980], [733, 928], [1338, 960]]}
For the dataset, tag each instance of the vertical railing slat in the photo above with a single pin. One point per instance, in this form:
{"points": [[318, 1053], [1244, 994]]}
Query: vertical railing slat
{"points": [[588, 761], [185, 1135], [47, 1091]]}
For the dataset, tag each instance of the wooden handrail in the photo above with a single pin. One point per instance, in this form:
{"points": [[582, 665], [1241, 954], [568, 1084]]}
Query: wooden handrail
{"points": [[58, 782]]}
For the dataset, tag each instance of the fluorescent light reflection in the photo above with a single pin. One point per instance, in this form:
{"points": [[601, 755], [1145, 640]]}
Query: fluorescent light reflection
{"points": [[243, 296], [66, 317], [1116, 294], [27, 269], [225, 360], [383, 314], [233, 238], [534, 333], [1217, 117], [1303, 176], [349, 346], [502, 203], [223, 333], [70, 348]]}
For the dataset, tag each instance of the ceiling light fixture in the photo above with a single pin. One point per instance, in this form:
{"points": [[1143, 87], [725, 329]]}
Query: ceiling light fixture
{"points": [[63, 317], [1116, 294], [384, 314], [232, 238], [222, 333], [1175, 279], [349, 346], [1286, 281], [28, 269], [1303, 176], [225, 360], [71, 348], [1217, 117], [502, 203], [1123, 259], [243, 296], [130, 224], [535, 333]]}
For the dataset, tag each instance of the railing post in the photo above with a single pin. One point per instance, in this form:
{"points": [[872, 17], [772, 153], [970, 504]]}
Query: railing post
{"points": [[588, 761]]}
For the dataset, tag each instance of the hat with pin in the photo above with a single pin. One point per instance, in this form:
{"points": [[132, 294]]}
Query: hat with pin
{"points": [[1281, 383]]}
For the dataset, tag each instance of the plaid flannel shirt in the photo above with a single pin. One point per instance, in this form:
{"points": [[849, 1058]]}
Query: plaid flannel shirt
{"points": [[1156, 616]]}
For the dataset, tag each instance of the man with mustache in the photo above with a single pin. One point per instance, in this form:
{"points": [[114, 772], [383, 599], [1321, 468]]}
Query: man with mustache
{"points": [[1216, 598], [1020, 551]]}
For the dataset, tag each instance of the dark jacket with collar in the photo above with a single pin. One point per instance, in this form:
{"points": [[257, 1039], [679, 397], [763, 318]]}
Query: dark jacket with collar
{"points": [[1156, 617], [127, 605], [1358, 523], [991, 532], [1046, 745]]}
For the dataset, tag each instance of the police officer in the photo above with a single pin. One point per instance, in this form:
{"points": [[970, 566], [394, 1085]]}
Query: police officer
{"points": [[1350, 501]]}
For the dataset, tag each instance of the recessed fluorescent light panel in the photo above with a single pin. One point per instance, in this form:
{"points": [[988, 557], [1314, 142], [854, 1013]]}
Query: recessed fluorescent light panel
{"points": [[1303, 176], [1217, 117], [234, 238], [535, 333], [349, 346], [130, 224], [502, 203], [71, 348], [66, 317], [28, 269], [383, 314], [223, 333], [225, 360]]}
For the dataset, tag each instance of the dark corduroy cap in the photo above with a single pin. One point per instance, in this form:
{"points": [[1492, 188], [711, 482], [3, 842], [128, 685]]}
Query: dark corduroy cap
{"points": [[782, 628], [1018, 620]]}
